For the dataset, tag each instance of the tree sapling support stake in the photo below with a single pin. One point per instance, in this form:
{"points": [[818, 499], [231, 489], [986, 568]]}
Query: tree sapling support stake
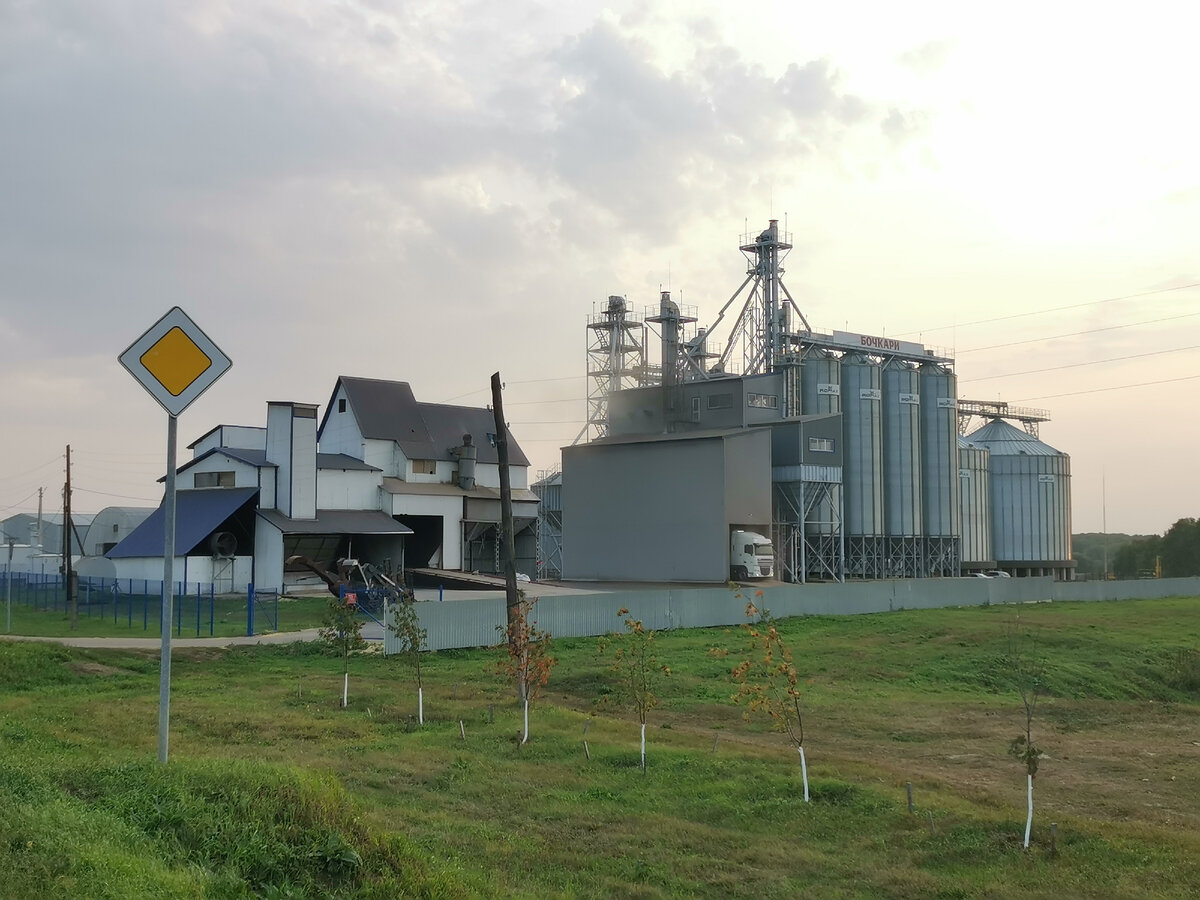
{"points": [[1029, 818]]}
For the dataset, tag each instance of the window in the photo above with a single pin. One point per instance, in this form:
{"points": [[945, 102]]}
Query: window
{"points": [[214, 479], [424, 466], [762, 401], [342, 404], [720, 401], [820, 445]]}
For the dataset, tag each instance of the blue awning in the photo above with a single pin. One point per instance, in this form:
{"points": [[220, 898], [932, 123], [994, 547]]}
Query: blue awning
{"points": [[197, 515]]}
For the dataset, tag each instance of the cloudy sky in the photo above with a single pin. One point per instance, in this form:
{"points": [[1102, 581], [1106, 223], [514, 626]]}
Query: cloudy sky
{"points": [[434, 191]]}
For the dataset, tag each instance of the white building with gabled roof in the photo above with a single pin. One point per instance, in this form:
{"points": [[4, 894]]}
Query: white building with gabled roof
{"points": [[383, 479], [441, 473]]}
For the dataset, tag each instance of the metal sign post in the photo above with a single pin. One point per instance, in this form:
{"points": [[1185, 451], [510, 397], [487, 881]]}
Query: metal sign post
{"points": [[8, 591], [175, 362]]}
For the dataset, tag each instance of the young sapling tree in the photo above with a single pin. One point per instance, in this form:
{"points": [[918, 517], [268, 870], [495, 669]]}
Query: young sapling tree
{"points": [[767, 682], [528, 661], [342, 631], [1027, 673], [412, 639], [637, 668]]}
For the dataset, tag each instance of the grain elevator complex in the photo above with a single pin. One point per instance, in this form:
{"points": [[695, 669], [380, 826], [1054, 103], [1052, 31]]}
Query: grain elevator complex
{"points": [[852, 452]]}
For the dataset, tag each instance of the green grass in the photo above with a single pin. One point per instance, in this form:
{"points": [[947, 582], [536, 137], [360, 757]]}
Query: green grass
{"points": [[38, 614], [275, 790]]}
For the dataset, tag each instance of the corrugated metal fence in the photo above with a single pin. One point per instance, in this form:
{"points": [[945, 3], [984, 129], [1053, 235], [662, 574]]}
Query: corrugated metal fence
{"points": [[479, 623]]}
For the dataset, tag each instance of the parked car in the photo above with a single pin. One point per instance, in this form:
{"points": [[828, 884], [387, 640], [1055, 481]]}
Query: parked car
{"points": [[996, 573]]}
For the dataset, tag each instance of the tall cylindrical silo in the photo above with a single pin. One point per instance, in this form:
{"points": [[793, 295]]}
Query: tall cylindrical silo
{"points": [[902, 467], [862, 461], [1031, 501], [940, 513], [821, 389], [975, 490]]}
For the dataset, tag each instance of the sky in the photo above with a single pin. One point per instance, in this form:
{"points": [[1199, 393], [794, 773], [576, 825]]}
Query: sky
{"points": [[435, 191]]}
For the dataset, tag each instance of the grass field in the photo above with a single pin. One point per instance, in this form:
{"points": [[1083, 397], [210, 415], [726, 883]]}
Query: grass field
{"points": [[274, 790]]}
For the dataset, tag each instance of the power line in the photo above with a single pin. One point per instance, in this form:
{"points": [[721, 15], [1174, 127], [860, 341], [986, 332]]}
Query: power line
{"points": [[1039, 312], [1117, 387], [506, 383], [19, 502], [1095, 362], [1078, 333], [31, 471], [539, 402], [118, 496]]}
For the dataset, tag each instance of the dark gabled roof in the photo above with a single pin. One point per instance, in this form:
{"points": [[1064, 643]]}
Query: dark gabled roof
{"points": [[337, 521], [342, 461], [388, 411], [197, 514], [258, 458]]}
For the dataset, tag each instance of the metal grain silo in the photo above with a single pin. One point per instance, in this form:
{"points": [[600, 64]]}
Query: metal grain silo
{"points": [[974, 492], [940, 513], [902, 468], [821, 388], [862, 465], [1031, 501]]}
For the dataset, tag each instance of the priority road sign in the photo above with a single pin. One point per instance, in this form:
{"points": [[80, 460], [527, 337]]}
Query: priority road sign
{"points": [[175, 361]]}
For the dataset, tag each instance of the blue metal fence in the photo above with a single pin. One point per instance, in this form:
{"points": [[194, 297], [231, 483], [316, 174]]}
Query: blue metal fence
{"points": [[123, 601]]}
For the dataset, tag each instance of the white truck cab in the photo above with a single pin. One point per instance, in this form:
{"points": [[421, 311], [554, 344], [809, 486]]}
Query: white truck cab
{"points": [[750, 555]]}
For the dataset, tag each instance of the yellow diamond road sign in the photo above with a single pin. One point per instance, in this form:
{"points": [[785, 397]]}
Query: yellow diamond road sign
{"points": [[175, 361]]}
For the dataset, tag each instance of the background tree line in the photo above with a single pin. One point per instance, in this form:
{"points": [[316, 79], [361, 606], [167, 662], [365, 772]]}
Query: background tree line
{"points": [[1139, 555]]}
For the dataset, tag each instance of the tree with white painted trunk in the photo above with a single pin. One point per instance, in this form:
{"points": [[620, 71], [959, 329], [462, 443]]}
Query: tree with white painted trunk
{"points": [[1027, 673], [637, 668], [767, 681], [342, 631], [411, 640], [528, 661]]}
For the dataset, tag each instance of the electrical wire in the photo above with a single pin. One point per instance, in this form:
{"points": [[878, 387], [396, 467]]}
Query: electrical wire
{"points": [[1095, 362], [1116, 387], [1078, 333], [1039, 312], [31, 471], [19, 502], [118, 496], [525, 381]]}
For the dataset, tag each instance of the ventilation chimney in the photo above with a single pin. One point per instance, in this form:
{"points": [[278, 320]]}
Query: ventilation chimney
{"points": [[466, 464]]}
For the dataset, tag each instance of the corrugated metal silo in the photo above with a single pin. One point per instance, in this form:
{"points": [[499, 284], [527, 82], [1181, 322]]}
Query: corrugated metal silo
{"points": [[975, 489], [902, 467], [862, 462], [940, 513], [821, 390], [1031, 501]]}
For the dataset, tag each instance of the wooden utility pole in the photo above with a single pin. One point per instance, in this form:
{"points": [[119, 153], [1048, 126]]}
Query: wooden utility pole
{"points": [[513, 598], [68, 579]]}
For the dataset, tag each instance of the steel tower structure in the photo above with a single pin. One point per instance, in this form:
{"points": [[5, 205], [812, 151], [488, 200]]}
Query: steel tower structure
{"points": [[616, 360]]}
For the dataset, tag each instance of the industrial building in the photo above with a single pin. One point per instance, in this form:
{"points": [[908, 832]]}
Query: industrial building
{"points": [[862, 457], [382, 478], [44, 532]]}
